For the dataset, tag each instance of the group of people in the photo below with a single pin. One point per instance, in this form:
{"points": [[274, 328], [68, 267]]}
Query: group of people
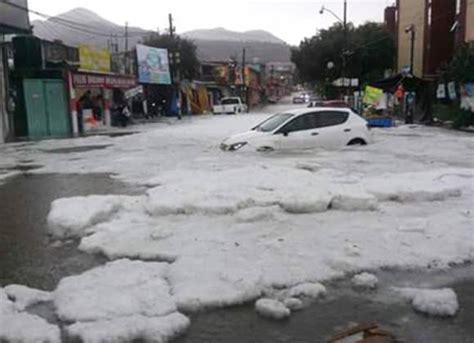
{"points": [[120, 110]]}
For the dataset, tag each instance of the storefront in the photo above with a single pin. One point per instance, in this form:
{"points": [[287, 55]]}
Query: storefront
{"points": [[94, 96]]}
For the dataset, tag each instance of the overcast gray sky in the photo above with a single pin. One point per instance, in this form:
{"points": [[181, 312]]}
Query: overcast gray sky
{"points": [[288, 20]]}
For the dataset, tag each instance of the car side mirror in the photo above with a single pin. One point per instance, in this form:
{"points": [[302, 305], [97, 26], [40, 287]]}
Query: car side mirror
{"points": [[285, 133]]}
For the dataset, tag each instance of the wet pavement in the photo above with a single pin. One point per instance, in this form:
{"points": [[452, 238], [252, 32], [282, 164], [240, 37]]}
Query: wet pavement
{"points": [[26, 254]]}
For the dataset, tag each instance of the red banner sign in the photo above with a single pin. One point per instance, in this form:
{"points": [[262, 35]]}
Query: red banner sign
{"points": [[83, 80]]}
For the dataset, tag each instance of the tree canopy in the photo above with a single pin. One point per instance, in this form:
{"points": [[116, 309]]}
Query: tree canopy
{"points": [[370, 50], [189, 63]]}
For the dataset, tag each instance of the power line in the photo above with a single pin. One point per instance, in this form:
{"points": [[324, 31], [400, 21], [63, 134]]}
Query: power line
{"points": [[71, 24]]}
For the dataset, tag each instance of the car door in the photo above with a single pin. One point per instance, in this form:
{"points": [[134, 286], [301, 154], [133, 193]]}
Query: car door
{"points": [[296, 133], [331, 129]]}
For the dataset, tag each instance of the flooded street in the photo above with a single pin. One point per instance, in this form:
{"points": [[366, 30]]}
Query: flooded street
{"points": [[342, 307], [27, 256]]}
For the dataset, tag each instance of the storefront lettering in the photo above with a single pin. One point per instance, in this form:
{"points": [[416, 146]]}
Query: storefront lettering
{"points": [[88, 80]]}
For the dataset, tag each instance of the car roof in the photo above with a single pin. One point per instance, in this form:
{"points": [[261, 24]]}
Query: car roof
{"points": [[300, 111]]}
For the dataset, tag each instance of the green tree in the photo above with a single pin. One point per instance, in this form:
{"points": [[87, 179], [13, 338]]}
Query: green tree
{"points": [[189, 64], [461, 68], [370, 50]]}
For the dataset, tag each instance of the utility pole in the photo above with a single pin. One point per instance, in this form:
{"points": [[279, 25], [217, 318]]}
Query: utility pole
{"points": [[171, 28], [127, 69], [244, 85], [344, 51], [174, 61]]}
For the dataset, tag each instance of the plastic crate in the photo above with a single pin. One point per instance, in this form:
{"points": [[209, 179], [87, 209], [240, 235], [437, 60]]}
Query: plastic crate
{"points": [[380, 122]]}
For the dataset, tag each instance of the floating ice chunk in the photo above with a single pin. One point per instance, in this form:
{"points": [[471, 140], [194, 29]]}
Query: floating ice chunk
{"points": [[256, 214], [225, 280], [420, 186], [70, 217], [130, 329], [365, 280], [6, 306], [27, 328], [24, 296], [357, 201], [294, 304], [117, 289], [306, 204], [436, 302], [308, 290], [272, 309]]}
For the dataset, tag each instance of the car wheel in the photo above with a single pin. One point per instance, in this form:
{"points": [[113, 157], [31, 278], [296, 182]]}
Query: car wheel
{"points": [[265, 149], [357, 141]]}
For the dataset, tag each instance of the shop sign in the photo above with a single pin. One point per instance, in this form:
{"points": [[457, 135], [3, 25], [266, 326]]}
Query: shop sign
{"points": [[102, 81], [94, 59]]}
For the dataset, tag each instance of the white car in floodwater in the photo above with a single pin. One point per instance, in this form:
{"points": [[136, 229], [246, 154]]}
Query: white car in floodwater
{"points": [[323, 127]]}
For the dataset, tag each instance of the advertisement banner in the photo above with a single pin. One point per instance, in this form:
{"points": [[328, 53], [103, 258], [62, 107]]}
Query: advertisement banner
{"points": [[153, 65], [94, 59]]}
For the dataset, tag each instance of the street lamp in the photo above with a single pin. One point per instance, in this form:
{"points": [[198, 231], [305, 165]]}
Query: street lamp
{"points": [[344, 25]]}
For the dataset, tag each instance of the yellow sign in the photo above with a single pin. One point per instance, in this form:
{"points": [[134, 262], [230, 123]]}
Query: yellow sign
{"points": [[94, 59], [372, 95]]}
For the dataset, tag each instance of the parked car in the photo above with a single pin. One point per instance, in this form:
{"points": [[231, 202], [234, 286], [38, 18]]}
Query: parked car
{"points": [[299, 99], [232, 105], [321, 127]]}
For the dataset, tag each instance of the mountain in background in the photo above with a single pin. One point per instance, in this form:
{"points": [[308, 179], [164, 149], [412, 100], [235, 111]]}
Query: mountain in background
{"points": [[221, 34], [82, 26]]}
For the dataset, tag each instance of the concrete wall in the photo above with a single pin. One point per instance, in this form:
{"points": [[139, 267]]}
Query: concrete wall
{"points": [[470, 21], [411, 12]]}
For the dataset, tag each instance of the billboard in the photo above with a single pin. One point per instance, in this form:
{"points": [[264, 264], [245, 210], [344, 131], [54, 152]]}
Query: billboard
{"points": [[94, 59], [153, 65], [14, 16]]}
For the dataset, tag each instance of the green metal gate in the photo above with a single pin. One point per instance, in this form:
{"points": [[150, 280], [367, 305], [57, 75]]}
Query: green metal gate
{"points": [[46, 108]]}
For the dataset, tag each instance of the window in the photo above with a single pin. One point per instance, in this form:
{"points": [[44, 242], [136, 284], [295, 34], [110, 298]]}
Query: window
{"points": [[301, 123], [329, 118], [230, 101], [273, 122]]}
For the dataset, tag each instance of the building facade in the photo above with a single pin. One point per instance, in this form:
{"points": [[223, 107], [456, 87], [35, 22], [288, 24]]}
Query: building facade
{"points": [[439, 27]]}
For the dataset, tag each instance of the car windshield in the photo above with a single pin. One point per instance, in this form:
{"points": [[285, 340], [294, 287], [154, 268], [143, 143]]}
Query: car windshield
{"points": [[230, 102], [273, 122]]}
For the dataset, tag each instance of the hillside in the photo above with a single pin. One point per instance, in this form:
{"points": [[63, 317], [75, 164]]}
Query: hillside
{"points": [[84, 26]]}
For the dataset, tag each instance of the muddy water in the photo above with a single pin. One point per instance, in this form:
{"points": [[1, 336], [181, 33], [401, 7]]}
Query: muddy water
{"points": [[344, 306], [26, 254]]}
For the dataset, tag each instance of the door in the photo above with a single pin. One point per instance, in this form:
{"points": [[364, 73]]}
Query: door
{"points": [[297, 134], [330, 130], [36, 115], [46, 108], [56, 105]]}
